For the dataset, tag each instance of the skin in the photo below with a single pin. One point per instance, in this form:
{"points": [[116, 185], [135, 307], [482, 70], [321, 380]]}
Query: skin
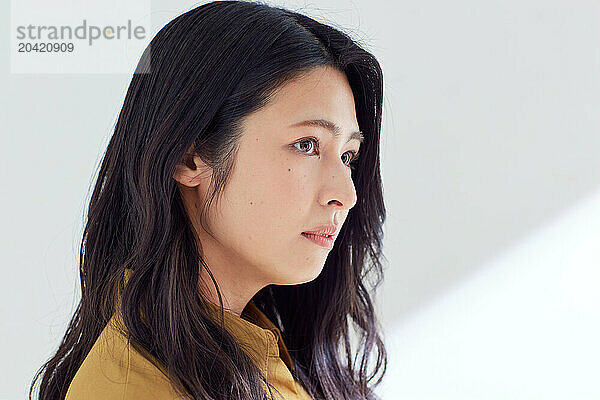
{"points": [[281, 186]]}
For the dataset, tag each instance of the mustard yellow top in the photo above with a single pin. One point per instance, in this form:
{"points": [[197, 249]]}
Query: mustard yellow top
{"points": [[113, 369]]}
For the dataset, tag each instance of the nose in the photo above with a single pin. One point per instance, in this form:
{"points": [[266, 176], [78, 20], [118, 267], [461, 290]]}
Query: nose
{"points": [[338, 188]]}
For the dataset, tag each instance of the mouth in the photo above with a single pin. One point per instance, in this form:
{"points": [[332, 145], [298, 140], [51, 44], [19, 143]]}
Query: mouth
{"points": [[322, 240]]}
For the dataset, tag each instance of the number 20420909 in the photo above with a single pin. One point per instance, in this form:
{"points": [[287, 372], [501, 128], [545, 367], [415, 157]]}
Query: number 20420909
{"points": [[46, 47]]}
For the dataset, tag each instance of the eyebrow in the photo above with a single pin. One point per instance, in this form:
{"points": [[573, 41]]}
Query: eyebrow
{"points": [[334, 129]]}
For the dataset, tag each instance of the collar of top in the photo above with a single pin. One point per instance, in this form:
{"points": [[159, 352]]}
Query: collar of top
{"points": [[256, 334]]}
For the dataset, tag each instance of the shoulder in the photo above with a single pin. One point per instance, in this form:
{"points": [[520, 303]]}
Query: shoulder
{"points": [[113, 369]]}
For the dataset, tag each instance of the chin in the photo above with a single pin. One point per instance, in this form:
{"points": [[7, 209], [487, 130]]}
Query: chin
{"points": [[298, 279]]}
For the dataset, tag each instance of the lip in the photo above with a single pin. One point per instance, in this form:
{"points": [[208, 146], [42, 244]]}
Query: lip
{"points": [[324, 230], [322, 241]]}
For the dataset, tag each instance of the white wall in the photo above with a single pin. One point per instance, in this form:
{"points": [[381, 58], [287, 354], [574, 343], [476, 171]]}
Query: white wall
{"points": [[491, 178]]}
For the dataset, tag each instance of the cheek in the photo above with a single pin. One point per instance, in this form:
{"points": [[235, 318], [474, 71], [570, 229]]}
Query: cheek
{"points": [[277, 181], [282, 198], [292, 185], [268, 194]]}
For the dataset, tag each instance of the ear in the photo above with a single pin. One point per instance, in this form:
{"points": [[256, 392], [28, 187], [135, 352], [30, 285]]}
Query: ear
{"points": [[191, 171]]}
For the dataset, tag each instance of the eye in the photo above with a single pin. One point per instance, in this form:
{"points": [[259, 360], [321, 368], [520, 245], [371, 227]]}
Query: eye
{"points": [[315, 145], [309, 140], [352, 162]]}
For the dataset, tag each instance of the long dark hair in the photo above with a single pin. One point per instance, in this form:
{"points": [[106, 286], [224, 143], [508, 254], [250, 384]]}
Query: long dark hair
{"points": [[201, 74]]}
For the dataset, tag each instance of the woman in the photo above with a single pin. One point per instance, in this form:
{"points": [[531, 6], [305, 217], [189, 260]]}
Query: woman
{"points": [[232, 231]]}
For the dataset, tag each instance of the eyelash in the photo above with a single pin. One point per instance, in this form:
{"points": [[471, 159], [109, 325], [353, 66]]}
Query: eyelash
{"points": [[352, 162]]}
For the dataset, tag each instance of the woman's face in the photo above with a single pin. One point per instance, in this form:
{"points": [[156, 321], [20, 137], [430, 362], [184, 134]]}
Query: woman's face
{"points": [[283, 184]]}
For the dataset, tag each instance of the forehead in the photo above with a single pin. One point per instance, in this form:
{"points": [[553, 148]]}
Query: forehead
{"points": [[322, 89], [321, 93]]}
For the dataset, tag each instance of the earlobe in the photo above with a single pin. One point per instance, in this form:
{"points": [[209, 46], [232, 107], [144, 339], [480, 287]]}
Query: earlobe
{"points": [[190, 172], [183, 176]]}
